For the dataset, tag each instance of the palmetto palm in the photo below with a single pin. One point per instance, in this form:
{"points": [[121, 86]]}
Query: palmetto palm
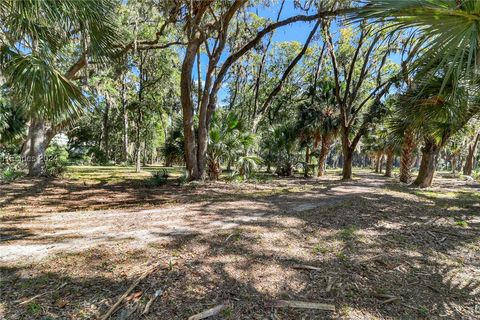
{"points": [[12, 123], [227, 141], [38, 39], [318, 120], [450, 31], [435, 118]]}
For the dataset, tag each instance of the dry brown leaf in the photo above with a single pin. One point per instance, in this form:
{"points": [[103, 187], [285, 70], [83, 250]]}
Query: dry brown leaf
{"points": [[61, 302]]}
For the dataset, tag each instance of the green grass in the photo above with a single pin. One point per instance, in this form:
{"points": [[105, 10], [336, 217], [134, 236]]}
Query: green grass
{"points": [[117, 174], [347, 234], [34, 308], [461, 223]]}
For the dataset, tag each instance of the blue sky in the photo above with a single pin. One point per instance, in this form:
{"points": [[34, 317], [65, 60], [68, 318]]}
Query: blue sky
{"points": [[294, 32]]}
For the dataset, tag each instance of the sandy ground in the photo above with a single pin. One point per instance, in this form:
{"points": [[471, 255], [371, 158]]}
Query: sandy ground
{"points": [[38, 237], [382, 251]]}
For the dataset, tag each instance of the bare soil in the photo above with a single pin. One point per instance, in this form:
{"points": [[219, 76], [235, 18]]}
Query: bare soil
{"points": [[384, 250]]}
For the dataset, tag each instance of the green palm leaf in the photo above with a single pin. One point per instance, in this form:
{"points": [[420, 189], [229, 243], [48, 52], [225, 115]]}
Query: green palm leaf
{"points": [[450, 31], [39, 89]]}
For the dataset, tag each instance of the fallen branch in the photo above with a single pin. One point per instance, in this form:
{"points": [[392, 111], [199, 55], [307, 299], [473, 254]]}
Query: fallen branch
{"points": [[409, 306], [303, 305], [152, 299], [126, 293], [42, 294], [391, 300], [306, 267], [208, 313], [329, 284]]}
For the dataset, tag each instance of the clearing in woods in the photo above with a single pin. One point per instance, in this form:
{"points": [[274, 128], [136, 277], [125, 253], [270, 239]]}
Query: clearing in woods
{"points": [[371, 247]]}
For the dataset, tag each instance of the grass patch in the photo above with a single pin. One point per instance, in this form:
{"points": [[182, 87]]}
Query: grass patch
{"points": [[34, 308], [347, 234], [462, 223], [118, 174]]}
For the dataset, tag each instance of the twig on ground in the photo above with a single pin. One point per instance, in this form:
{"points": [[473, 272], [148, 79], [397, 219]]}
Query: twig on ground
{"points": [[229, 236], [126, 293], [391, 300], [330, 282], [208, 313], [152, 299], [42, 294], [306, 267], [409, 306], [303, 305]]}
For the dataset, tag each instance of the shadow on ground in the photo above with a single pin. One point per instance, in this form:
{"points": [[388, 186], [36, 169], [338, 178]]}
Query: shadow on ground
{"points": [[383, 251]]}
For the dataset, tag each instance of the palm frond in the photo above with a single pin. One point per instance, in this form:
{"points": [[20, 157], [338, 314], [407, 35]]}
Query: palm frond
{"points": [[54, 21], [450, 31], [38, 88]]}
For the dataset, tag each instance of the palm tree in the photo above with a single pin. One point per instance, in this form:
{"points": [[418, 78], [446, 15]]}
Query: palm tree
{"points": [[405, 138], [172, 151], [435, 118], [449, 30], [473, 141], [12, 123], [283, 145], [408, 148], [227, 141], [376, 143], [36, 37], [318, 120]]}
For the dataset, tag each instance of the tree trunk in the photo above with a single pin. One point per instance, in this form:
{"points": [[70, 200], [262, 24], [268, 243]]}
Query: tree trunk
{"points": [[389, 164], [322, 158], [407, 157], [307, 161], [105, 128], [347, 164], [454, 164], [378, 159], [381, 163], [138, 151], [190, 149], [145, 153], [37, 144], [125, 124], [468, 168], [427, 165]]}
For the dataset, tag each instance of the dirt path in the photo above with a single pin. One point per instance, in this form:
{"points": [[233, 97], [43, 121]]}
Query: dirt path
{"points": [[42, 236]]}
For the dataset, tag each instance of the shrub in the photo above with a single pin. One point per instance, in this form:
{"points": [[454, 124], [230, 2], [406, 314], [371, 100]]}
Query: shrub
{"points": [[158, 178], [98, 156], [11, 166], [56, 160], [11, 171]]}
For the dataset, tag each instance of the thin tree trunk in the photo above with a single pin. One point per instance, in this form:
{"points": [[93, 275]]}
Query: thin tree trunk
{"points": [[307, 161], [138, 151], [125, 123], [427, 165], [266, 104], [407, 157], [454, 164], [106, 127], [378, 159], [381, 163], [389, 164], [468, 168]]}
